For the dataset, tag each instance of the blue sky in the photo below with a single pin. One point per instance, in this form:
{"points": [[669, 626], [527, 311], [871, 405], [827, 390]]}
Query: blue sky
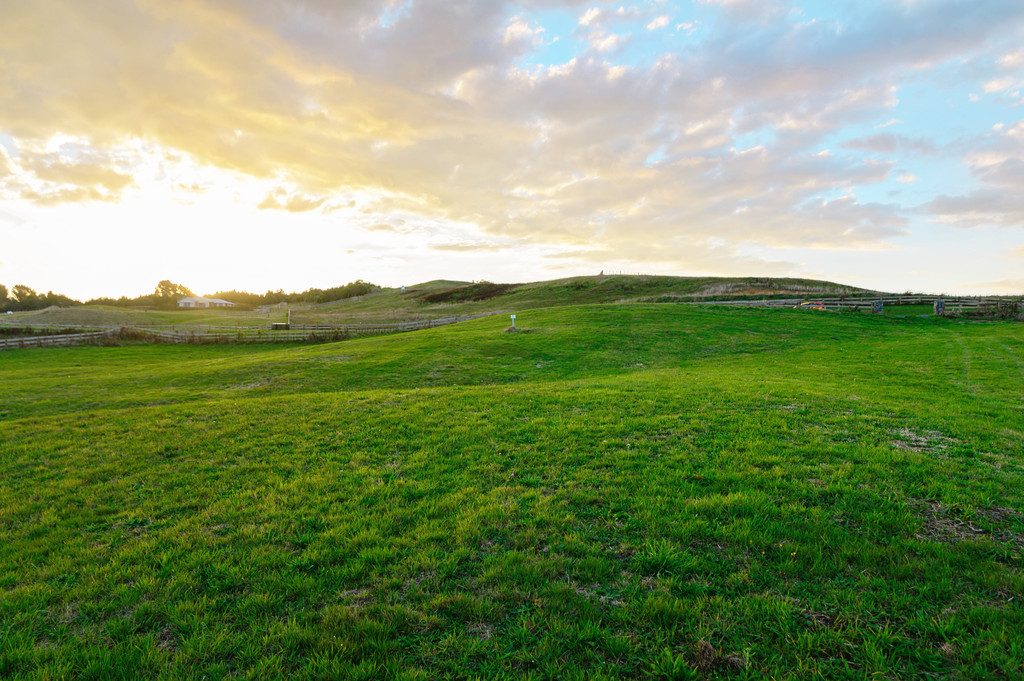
{"points": [[297, 143]]}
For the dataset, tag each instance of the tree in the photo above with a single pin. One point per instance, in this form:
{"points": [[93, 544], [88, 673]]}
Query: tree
{"points": [[23, 293], [58, 299], [22, 297], [168, 289], [3, 295], [167, 294]]}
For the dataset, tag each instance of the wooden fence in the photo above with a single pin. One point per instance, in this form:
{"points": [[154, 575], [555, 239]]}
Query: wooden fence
{"points": [[848, 303], [209, 334], [235, 336], [57, 339]]}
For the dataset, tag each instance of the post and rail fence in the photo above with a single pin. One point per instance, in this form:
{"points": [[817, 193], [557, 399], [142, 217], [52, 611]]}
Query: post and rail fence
{"points": [[952, 304], [50, 335], [57, 340]]}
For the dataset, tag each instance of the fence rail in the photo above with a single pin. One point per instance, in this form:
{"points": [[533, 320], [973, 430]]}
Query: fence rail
{"points": [[241, 336], [846, 303], [298, 333], [55, 340]]}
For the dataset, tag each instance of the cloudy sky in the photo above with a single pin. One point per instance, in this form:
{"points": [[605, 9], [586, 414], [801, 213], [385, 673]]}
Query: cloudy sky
{"points": [[264, 144]]}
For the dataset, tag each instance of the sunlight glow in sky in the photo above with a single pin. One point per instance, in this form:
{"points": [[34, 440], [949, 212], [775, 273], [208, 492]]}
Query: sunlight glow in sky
{"points": [[265, 144]]}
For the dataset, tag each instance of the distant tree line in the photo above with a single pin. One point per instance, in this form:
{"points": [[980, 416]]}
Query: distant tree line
{"points": [[312, 295], [164, 296], [20, 298], [167, 294]]}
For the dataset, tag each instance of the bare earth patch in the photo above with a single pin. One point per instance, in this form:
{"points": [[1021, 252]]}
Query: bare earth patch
{"points": [[166, 640], [709, 659], [482, 630], [949, 524], [927, 441]]}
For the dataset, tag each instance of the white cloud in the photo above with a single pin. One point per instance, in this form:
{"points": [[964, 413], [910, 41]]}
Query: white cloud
{"points": [[1001, 85], [659, 22], [591, 16], [997, 162], [605, 42], [518, 30], [1012, 60], [291, 201]]}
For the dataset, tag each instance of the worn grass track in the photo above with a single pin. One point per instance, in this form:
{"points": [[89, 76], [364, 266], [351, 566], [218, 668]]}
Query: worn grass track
{"points": [[616, 492]]}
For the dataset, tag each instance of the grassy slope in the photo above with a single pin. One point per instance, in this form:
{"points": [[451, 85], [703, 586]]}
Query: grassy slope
{"points": [[621, 491], [413, 303]]}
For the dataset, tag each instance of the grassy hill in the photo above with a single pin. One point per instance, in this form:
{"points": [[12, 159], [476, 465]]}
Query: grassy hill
{"points": [[615, 491], [448, 298]]}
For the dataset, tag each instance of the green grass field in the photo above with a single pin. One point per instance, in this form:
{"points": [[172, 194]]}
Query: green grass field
{"points": [[614, 491]]}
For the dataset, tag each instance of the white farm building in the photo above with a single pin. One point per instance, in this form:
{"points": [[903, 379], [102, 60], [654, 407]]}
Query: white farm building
{"points": [[194, 302]]}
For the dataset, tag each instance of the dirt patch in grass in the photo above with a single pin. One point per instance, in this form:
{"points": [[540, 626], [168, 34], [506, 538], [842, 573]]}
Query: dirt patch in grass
{"points": [[590, 593], [825, 620], [166, 640], [481, 630], [926, 441], [68, 614], [356, 596], [951, 524], [708, 659], [262, 383], [1001, 517], [999, 514], [945, 523]]}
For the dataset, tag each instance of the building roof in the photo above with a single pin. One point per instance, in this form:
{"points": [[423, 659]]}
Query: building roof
{"points": [[201, 299]]}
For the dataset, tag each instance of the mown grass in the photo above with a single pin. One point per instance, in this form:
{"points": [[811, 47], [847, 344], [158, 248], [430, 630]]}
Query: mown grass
{"points": [[614, 492], [579, 342]]}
